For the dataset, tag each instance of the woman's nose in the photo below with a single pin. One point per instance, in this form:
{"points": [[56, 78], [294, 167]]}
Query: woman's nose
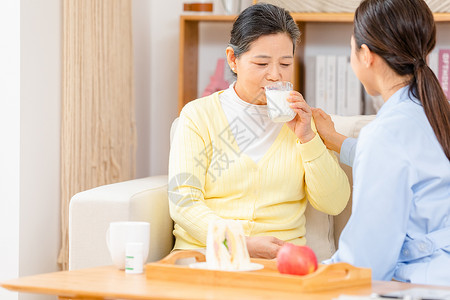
{"points": [[274, 73]]}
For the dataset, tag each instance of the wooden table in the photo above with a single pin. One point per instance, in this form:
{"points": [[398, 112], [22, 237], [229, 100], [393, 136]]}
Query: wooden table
{"points": [[109, 283]]}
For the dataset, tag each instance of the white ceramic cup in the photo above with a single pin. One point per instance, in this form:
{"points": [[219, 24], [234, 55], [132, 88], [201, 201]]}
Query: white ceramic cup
{"points": [[277, 106], [121, 233]]}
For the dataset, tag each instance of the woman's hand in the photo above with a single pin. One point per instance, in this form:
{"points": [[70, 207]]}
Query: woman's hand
{"points": [[301, 124], [263, 246], [325, 126]]}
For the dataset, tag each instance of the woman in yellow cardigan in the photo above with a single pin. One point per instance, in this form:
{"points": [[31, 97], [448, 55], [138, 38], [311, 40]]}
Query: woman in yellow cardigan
{"points": [[229, 160]]}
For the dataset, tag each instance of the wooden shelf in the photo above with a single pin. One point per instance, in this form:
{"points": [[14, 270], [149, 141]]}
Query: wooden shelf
{"points": [[208, 18], [441, 17], [189, 40], [298, 17], [323, 17]]}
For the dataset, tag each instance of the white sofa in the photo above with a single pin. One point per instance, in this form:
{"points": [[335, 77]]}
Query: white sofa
{"points": [[145, 199]]}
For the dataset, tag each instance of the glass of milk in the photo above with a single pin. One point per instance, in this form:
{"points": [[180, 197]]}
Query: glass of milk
{"points": [[277, 105]]}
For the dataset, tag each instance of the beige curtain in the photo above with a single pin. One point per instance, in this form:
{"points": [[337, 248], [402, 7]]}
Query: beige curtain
{"points": [[98, 135]]}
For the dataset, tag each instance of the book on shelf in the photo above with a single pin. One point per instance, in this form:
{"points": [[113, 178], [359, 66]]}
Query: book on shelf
{"points": [[320, 81], [331, 85], [444, 65], [341, 89], [309, 68], [330, 92]]}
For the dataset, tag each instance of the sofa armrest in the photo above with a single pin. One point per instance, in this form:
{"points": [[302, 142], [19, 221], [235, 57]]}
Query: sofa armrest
{"points": [[351, 125], [91, 211]]}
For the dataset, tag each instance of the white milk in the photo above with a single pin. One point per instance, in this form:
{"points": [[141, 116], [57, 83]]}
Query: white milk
{"points": [[277, 106]]}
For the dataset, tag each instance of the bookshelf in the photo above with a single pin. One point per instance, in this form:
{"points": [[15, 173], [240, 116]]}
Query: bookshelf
{"points": [[189, 46]]}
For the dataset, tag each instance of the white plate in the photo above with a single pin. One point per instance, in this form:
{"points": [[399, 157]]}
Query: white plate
{"points": [[204, 265]]}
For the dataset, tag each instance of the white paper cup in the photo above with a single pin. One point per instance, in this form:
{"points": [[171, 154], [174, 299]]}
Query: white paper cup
{"points": [[119, 234], [277, 106]]}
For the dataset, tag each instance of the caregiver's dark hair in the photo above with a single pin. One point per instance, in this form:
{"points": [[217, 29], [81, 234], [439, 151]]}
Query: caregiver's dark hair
{"points": [[258, 20], [403, 33]]}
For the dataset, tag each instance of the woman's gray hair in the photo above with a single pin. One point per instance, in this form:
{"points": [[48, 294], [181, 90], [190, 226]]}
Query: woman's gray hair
{"points": [[259, 20]]}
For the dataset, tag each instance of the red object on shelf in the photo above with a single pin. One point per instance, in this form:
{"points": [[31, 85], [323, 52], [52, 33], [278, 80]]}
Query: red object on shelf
{"points": [[217, 81], [443, 73]]}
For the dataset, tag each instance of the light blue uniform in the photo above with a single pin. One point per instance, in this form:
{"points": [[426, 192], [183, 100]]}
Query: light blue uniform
{"points": [[400, 223], [348, 150]]}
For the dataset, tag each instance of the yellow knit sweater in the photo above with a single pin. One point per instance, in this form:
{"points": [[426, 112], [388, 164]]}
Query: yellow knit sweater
{"points": [[210, 178]]}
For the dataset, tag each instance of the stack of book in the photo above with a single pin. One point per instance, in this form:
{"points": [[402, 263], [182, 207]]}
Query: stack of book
{"points": [[331, 84]]}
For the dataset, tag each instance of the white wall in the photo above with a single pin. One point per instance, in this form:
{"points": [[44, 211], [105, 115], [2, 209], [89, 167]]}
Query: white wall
{"points": [[156, 33], [10, 149], [40, 109], [164, 79], [30, 130], [142, 66]]}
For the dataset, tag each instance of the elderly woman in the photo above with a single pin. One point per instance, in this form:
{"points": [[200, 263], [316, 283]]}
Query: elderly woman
{"points": [[229, 160]]}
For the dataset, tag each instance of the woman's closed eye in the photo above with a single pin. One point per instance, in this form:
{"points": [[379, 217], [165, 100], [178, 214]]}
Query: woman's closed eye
{"points": [[266, 64]]}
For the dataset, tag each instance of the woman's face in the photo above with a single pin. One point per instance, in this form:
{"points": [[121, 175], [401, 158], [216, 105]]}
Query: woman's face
{"points": [[269, 59]]}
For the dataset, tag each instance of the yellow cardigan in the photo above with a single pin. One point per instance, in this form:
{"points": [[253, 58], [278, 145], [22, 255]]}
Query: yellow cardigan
{"points": [[210, 178]]}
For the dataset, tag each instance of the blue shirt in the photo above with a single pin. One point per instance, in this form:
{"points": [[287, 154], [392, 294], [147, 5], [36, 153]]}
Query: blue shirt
{"points": [[400, 222], [347, 152]]}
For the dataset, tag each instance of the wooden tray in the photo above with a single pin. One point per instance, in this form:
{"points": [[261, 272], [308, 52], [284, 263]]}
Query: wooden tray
{"points": [[339, 275]]}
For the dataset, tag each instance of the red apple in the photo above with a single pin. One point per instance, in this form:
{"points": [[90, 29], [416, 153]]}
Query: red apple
{"points": [[296, 260]]}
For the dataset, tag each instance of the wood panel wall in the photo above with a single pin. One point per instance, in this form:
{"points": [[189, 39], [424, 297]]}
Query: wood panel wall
{"points": [[98, 132]]}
